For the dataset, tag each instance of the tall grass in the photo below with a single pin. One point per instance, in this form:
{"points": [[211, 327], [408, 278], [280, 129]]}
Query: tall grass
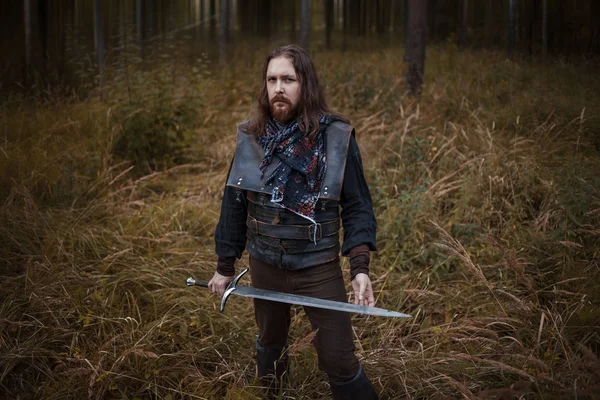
{"points": [[486, 195]]}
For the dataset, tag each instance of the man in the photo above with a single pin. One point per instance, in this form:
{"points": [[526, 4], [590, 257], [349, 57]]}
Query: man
{"points": [[296, 163]]}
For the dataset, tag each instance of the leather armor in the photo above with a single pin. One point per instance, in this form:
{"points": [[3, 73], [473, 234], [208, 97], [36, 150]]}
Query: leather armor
{"points": [[279, 236]]}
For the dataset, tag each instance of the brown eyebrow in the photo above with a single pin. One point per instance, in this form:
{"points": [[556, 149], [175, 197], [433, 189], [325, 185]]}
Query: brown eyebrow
{"points": [[283, 76]]}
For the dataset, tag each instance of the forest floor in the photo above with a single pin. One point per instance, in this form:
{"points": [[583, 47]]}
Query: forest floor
{"points": [[486, 194]]}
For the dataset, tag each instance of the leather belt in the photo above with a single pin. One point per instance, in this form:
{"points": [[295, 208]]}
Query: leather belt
{"points": [[302, 232], [263, 199]]}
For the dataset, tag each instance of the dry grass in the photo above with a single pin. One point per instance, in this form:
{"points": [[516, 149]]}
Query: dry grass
{"points": [[486, 194]]}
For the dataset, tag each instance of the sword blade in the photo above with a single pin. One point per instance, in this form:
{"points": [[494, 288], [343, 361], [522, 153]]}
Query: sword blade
{"points": [[248, 291]]}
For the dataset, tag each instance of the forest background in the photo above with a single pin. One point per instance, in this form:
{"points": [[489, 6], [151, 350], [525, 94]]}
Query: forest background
{"points": [[117, 124]]}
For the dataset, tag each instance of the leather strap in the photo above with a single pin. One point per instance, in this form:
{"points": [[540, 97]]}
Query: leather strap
{"points": [[274, 214], [301, 232], [262, 199], [293, 246]]}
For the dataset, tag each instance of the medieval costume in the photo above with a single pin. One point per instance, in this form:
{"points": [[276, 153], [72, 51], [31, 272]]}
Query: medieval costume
{"points": [[282, 203]]}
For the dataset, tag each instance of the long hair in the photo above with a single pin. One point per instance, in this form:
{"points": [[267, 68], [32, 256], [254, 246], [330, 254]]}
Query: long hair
{"points": [[312, 100]]}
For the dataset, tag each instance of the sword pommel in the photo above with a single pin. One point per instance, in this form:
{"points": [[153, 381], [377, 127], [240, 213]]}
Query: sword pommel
{"points": [[231, 288]]}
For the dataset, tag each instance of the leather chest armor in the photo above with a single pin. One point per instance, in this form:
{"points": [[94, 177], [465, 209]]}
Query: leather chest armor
{"points": [[276, 235]]}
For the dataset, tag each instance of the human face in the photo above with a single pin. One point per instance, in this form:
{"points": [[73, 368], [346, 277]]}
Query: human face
{"points": [[283, 88]]}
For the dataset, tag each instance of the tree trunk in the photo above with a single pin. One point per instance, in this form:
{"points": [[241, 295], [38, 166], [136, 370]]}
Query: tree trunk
{"points": [[544, 28], [511, 28], [362, 17], [595, 29], [305, 24], [43, 29], [223, 31], [212, 10], [150, 18], [99, 39], [201, 17], [139, 26], [432, 22], [27, 21], [264, 18], [329, 22], [406, 27], [489, 21], [292, 16], [75, 16], [531, 10], [416, 44], [464, 16]]}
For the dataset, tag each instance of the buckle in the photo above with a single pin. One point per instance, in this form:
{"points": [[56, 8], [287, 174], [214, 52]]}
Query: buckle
{"points": [[311, 232], [253, 225], [262, 199]]}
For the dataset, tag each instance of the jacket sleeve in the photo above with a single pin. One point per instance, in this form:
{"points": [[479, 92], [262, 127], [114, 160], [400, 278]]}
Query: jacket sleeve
{"points": [[358, 219], [230, 235]]}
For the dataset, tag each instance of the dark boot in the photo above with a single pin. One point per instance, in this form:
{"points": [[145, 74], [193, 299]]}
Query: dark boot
{"points": [[272, 365], [358, 388]]}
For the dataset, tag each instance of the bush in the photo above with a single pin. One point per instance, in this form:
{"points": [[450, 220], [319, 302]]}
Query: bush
{"points": [[154, 137], [154, 115]]}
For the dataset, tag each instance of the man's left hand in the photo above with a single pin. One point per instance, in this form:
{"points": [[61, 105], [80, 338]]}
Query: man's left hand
{"points": [[363, 291]]}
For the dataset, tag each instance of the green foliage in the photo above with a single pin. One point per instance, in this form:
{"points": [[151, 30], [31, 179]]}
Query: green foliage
{"points": [[155, 112], [154, 135]]}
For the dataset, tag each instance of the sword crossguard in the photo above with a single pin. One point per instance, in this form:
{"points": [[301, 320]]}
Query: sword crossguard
{"points": [[231, 288]]}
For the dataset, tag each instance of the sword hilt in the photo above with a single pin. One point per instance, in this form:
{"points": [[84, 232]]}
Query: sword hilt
{"points": [[192, 282], [230, 288]]}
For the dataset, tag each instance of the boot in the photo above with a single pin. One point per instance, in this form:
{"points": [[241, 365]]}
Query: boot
{"points": [[358, 388], [272, 365]]}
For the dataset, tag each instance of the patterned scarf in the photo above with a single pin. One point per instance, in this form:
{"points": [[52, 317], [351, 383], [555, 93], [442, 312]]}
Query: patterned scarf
{"points": [[298, 176]]}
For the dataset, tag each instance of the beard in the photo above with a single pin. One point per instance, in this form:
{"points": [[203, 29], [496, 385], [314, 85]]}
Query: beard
{"points": [[283, 113]]}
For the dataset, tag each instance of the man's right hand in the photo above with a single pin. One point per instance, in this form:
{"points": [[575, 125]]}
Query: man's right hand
{"points": [[219, 283]]}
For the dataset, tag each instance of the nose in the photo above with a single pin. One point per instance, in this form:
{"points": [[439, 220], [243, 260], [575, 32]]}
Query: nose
{"points": [[278, 87]]}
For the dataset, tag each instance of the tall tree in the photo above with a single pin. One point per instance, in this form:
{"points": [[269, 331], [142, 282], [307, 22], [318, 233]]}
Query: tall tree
{"points": [[406, 11], [223, 31], [27, 21], [464, 19], [292, 17], [512, 10], [265, 17], [201, 16], [139, 24], [329, 22], [416, 45], [305, 24], [432, 21], [544, 28], [489, 20], [99, 39], [530, 10], [212, 10], [43, 27], [594, 48]]}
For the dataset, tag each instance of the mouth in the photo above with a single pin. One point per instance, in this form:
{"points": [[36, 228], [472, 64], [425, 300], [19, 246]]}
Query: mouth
{"points": [[280, 101]]}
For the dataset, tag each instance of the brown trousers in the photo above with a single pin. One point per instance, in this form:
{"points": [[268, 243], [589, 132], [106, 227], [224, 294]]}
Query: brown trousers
{"points": [[333, 339]]}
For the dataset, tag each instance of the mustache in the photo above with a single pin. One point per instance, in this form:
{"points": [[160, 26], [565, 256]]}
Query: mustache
{"points": [[280, 98]]}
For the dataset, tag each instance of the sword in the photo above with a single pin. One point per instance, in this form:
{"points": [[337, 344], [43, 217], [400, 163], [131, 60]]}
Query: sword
{"points": [[248, 291]]}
